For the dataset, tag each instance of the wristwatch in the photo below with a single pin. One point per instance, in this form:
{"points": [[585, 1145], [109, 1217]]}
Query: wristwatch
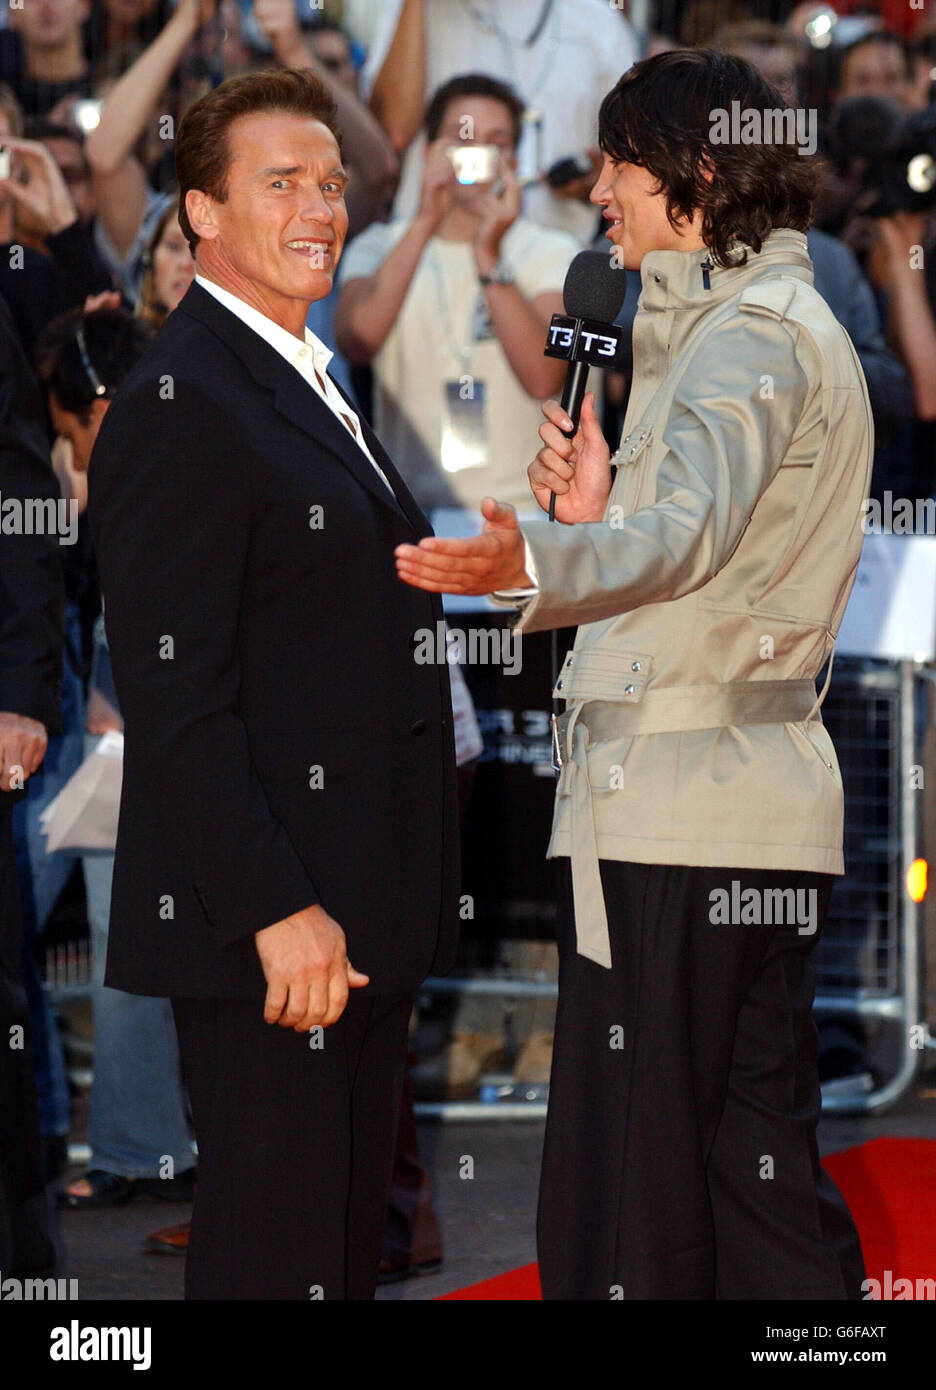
{"points": [[500, 275]]}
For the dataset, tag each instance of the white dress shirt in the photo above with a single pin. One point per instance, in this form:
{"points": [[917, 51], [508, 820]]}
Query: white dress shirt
{"points": [[308, 358]]}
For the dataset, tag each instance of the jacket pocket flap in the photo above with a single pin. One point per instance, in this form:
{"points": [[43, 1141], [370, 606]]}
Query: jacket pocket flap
{"points": [[603, 673], [632, 445]]}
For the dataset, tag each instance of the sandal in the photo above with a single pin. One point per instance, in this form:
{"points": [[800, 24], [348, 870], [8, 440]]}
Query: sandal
{"points": [[111, 1190], [107, 1190]]}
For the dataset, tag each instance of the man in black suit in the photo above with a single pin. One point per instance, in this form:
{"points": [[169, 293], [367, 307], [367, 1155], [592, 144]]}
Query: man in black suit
{"points": [[32, 617], [288, 820]]}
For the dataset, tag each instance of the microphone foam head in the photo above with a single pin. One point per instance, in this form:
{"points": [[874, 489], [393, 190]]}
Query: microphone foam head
{"points": [[594, 287]]}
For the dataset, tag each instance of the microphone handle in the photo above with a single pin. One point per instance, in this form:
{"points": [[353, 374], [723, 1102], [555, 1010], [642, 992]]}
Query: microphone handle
{"points": [[573, 394]]}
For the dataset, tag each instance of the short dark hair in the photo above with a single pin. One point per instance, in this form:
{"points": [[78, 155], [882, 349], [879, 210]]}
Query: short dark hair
{"points": [[114, 340], [39, 128], [202, 150], [752, 33], [472, 84], [660, 114], [884, 36], [321, 24]]}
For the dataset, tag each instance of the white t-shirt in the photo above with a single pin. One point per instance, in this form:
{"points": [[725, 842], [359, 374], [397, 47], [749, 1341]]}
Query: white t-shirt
{"points": [[443, 334], [583, 47]]}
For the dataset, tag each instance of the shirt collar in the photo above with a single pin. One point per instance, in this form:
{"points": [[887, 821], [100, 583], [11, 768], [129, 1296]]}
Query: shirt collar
{"points": [[284, 342]]}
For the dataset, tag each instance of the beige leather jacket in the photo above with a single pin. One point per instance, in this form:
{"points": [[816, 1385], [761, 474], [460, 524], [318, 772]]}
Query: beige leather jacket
{"points": [[710, 595]]}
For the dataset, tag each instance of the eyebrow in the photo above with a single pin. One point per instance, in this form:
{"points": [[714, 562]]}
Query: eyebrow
{"points": [[284, 170]]}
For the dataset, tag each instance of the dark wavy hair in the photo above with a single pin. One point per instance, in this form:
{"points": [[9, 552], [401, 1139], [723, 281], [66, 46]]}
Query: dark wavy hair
{"points": [[660, 116]]}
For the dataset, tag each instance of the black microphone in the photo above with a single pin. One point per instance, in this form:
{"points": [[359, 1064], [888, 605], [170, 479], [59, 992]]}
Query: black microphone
{"points": [[585, 335]]}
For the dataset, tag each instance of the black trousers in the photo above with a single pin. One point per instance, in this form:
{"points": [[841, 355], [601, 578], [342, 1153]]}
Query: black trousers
{"points": [[680, 1157], [295, 1147]]}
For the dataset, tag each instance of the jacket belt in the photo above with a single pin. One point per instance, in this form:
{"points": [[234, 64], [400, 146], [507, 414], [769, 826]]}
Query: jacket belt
{"points": [[675, 709]]}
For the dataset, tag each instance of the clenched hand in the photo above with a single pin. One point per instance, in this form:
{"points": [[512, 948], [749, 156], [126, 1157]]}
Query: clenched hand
{"points": [[23, 745], [307, 970]]}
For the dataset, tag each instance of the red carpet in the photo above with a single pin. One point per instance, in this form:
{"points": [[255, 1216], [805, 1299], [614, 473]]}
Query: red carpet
{"points": [[889, 1185]]}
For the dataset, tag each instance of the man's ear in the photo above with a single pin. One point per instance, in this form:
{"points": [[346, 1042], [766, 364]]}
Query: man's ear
{"points": [[199, 208]]}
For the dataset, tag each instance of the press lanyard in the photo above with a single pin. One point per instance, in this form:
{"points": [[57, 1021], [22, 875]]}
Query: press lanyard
{"points": [[464, 354], [508, 42]]}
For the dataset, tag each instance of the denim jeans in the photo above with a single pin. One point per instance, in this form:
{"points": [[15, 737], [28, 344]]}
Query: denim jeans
{"points": [[139, 1114], [42, 876]]}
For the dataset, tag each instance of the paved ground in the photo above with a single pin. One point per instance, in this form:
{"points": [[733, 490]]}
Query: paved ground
{"points": [[487, 1221]]}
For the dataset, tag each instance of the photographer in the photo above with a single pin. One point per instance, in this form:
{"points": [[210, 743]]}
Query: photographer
{"points": [[883, 155], [458, 300]]}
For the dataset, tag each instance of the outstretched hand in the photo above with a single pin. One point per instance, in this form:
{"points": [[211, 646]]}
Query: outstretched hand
{"points": [[480, 564]]}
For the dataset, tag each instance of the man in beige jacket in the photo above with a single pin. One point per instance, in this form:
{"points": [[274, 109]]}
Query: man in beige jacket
{"points": [[699, 809]]}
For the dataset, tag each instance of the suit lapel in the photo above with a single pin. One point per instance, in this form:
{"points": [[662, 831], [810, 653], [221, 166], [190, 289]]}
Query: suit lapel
{"points": [[408, 504], [300, 403]]}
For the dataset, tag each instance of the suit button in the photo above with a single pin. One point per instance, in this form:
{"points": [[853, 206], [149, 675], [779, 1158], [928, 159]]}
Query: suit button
{"points": [[418, 727]]}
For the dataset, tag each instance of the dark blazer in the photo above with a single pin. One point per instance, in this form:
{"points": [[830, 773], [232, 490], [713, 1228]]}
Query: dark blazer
{"points": [[32, 591], [282, 745]]}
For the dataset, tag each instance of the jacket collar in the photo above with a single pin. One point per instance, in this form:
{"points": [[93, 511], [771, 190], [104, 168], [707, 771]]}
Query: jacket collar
{"points": [[296, 400], [691, 280]]}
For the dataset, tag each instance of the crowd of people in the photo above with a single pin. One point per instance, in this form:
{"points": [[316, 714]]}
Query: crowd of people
{"points": [[446, 287]]}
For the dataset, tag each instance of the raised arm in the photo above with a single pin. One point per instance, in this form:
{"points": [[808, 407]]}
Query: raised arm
{"points": [[119, 178], [399, 92], [367, 150], [368, 306]]}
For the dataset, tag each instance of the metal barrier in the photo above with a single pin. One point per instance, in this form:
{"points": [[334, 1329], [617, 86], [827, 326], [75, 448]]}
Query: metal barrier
{"points": [[867, 961]]}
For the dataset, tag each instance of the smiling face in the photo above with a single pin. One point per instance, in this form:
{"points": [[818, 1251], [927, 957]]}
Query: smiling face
{"points": [[636, 214], [276, 240]]}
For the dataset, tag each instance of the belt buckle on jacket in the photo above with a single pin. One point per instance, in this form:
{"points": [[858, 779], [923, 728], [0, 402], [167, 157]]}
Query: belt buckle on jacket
{"points": [[556, 743]]}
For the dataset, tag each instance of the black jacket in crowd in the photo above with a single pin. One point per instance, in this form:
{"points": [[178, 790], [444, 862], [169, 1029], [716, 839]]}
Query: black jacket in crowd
{"points": [[32, 593]]}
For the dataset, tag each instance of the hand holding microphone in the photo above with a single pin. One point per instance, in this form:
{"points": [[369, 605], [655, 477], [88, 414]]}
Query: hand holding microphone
{"points": [[576, 470], [584, 336]]}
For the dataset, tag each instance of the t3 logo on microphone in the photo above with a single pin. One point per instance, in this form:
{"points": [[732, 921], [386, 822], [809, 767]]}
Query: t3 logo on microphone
{"points": [[583, 340]]}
